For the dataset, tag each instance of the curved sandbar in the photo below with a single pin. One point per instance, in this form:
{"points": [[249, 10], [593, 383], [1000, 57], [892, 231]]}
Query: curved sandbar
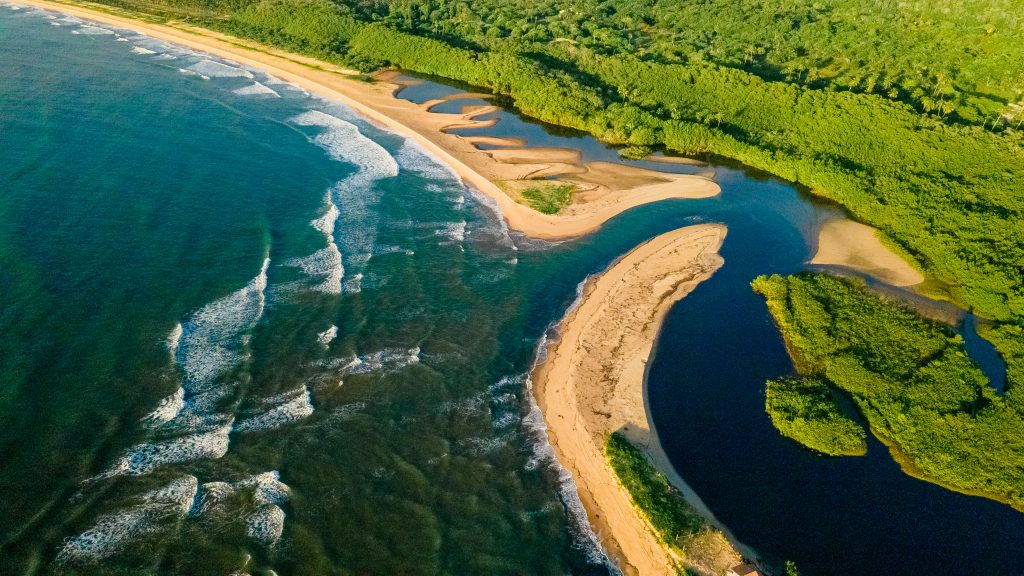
{"points": [[377, 102], [592, 384], [857, 246]]}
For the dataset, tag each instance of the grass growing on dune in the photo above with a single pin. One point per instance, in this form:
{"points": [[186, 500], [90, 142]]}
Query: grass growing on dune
{"points": [[674, 520]]}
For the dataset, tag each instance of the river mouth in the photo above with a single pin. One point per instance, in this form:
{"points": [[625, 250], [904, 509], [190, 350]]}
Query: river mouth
{"points": [[706, 393], [369, 329]]}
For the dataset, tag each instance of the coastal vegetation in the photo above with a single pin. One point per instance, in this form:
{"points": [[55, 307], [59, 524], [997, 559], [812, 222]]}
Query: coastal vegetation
{"points": [[675, 522], [942, 185], [908, 114], [909, 377], [548, 199], [806, 410]]}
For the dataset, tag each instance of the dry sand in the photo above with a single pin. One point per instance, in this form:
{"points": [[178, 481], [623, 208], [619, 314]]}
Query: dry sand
{"points": [[376, 101], [593, 384], [857, 246]]}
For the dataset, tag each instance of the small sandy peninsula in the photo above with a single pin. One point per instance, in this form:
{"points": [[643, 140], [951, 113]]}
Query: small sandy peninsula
{"points": [[856, 246], [593, 383], [605, 190]]}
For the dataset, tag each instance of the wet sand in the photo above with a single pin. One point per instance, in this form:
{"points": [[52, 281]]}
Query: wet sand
{"points": [[593, 384]]}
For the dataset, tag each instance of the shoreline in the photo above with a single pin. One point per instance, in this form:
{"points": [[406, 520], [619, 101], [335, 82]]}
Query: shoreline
{"points": [[594, 380], [849, 244], [618, 190]]}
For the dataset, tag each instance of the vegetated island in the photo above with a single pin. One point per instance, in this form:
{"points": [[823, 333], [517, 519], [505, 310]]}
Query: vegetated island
{"points": [[591, 389], [910, 378], [591, 193]]}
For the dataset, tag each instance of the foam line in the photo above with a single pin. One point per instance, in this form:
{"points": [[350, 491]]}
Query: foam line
{"points": [[344, 142], [293, 410], [114, 531], [214, 69], [327, 336], [256, 89]]}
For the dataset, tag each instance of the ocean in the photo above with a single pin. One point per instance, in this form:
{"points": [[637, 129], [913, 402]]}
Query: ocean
{"points": [[244, 330]]}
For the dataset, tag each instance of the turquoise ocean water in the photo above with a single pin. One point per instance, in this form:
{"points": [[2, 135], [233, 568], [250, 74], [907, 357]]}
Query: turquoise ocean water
{"points": [[244, 330]]}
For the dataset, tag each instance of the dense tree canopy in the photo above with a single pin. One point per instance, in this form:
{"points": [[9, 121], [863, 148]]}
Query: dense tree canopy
{"points": [[911, 379]]}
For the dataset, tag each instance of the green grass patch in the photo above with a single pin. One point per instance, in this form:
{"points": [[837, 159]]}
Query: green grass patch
{"points": [[675, 521], [548, 199], [912, 380], [806, 410]]}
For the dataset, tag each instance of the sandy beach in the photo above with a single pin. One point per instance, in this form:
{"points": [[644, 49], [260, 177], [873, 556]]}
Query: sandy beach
{"points": [[605, 192], [593, 384], [857, 246]]}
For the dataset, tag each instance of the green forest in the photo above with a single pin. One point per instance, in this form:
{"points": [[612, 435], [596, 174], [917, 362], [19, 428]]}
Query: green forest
{"points": [[806, 410], [909, 377], [946, 191]]}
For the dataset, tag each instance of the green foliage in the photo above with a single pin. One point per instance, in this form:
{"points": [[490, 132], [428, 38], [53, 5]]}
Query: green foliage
{"points": [[806, 410], [790, 569], [911, 379], [312, 26], [674, 520], [948, 195], [548, 199], [635, 152]]}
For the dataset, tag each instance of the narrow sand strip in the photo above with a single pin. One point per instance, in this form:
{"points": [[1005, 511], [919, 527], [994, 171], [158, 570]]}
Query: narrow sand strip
{"points": [[857, 246], [593, 384], [377, 103]]}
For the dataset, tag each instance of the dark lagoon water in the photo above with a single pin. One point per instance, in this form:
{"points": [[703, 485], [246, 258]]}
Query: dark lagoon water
{"points": [[243, 330]]}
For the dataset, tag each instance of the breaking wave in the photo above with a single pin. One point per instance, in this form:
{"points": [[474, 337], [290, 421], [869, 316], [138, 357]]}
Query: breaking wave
{"points": [[112, 532], [256, 89], [327, 336], [279, 411], [214, 69], [344, 142]]}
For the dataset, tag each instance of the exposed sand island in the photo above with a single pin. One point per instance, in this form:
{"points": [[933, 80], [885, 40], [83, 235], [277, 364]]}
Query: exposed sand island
{"points": [[606, 190], [593, 384], [857, 246]]}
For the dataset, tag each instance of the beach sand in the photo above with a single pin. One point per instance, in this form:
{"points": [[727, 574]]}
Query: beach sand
{"points": [[593, 384], [482, 169], [857, 246]]}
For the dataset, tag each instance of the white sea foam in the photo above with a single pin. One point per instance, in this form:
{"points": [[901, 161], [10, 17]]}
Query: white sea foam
{"points": [[256, 89], [144, 458], [327, 336], [166, 410], [293, 410], [188, 72], [384, 250], [265, 525], [387, 359], [353, 285], [453, 231], [265, 522], [325, 223], [140, 50], [415, 158], [211, 338], [325, 262], [544, 454], [174, 339], [112, 532], [344, 142], [94, 31], [214, 69]]}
